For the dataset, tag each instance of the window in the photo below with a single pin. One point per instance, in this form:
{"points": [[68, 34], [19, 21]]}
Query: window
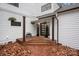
{"points": [[14, 4], [46, 7]]}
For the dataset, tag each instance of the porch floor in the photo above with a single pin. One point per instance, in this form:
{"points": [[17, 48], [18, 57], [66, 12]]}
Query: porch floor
{"points": [[37, 46]]}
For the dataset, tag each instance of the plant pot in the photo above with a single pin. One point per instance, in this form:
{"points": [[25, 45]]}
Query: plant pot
{"points": [[12, 20]]}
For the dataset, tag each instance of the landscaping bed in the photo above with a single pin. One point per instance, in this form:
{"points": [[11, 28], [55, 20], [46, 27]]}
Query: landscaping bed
{"points": [[17, 49]]}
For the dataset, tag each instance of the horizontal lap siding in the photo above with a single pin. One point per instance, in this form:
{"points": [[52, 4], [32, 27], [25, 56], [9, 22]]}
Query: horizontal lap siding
{"points": [[69, 28], [8, 32]]}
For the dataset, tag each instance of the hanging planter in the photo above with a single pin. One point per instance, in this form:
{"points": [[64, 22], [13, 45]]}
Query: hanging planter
{"points": [[32, 22], [12, 19]]}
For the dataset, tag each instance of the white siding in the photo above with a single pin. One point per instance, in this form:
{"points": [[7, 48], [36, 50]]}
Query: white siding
{"points": [[11, 33], [54, 8], [51, 29], [55, 29], [69, 28], [8, 32], [31, 28]]}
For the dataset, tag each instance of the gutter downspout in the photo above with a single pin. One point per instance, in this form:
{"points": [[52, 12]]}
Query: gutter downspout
{"points": [[56, 16], [57, 28]]}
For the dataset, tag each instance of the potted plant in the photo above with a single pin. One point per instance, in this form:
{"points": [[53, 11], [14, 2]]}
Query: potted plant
{"points": [[12, 19]]}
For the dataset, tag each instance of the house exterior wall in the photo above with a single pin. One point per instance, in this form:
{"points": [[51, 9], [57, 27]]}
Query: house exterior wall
{"points": [[11, 33], [17, 10], [31, 28], [35, 8], [32, 8], [68, 23], [50, 29], [54, 7], [8, 32], [68, 28], [28, 9]]}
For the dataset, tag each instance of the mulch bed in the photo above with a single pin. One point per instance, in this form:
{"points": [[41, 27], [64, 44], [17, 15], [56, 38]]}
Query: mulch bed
{"points": [[16, 49]]}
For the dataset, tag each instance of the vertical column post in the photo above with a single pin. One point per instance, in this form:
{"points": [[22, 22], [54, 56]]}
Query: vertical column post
{"points": [[57, 30], [37, 29], [23, 28], [52, 28]]}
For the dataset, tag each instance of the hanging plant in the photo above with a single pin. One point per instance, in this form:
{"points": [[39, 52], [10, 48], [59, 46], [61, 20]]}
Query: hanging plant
{"points": [[32, 22], [12, 19]]}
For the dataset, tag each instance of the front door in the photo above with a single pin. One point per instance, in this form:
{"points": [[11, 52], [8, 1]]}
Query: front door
{"points": [[44, 29]]}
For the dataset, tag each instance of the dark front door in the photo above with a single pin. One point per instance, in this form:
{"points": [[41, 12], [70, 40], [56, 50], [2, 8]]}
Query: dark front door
{"points": [[47, 31], [44, 29]]}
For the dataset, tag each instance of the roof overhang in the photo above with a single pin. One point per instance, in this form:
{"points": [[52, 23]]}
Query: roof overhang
{"points": [[61, 9], [67, 8]]}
